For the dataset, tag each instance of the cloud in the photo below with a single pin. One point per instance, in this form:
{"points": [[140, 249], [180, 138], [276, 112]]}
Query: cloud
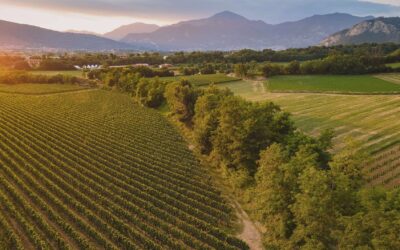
{"points": [[272, 11]]}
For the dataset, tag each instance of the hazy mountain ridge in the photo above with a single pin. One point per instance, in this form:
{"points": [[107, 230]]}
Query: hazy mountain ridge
{"points": [[223, 31], [379, 30], [230, 31], [22, 36], [86, 32], [133, 28]]}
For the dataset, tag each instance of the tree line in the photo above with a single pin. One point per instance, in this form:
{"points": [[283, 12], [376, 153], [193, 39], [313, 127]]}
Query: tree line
{"points": [[388, 52], [335, 65]]}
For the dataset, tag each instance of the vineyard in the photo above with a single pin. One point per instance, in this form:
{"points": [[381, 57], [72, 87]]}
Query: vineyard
{"points": [[372, 120], [384, 169], [34, 89], [202, 80], [89, 170]]}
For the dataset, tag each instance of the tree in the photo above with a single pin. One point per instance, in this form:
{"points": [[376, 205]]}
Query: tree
{"points": [[207, 70], [181, 98], [314, 211], [376, 225], [271, 198], [150, 93], [22, 65], [241, 70], [206, 116], [269, 70], [293, 68], [244, 129], [277, 184]]}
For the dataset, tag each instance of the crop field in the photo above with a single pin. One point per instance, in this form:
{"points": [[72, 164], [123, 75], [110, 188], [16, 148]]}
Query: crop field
{"points": [[76, 73], [201, 80], [333, 84], [371, 119], [90, 170], [34, 89]]}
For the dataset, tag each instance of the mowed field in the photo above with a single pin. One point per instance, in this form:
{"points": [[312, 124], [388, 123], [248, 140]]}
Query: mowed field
{"points": [[76, 73], [371, 119], [90, 170], [394, 65], [335, 84], [201, 80]]}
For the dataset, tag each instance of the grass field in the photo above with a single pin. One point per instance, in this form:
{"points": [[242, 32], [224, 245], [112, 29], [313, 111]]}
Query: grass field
{"points": [[334, 84], [34, 89], [90, 170], [201, 80], [371, 119], [76, 73], [394, 65]]}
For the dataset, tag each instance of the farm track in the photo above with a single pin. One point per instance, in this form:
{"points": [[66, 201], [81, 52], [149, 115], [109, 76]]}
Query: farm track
{"points": [[98, 172]]}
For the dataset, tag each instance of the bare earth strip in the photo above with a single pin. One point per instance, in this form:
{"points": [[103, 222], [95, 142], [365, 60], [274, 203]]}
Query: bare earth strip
{"points": [[250, 233]]}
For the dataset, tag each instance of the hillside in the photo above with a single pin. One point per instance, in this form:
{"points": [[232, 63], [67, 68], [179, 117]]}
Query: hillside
{"points": [[380, 30], [229, 31], [311, 30], [98, 172], [133, 28], [21, 36]]}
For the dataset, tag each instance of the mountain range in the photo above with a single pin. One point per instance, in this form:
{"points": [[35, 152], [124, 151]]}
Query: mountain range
{"points": [[22, 36], [230, 31], [223, 31], [380, 30]]}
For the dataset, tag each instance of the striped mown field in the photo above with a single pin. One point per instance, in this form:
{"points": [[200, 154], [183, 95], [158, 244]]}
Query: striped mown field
{"points": [[90, 170], [393, 78], [373, 120], [202, 80]]}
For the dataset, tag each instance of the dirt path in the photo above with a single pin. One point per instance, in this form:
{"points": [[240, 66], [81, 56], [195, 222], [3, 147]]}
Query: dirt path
{"points": [[258, 86], [250, 233]]}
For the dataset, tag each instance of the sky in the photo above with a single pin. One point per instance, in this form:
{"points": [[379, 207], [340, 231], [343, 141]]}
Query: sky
{"points": [[104, 15]]}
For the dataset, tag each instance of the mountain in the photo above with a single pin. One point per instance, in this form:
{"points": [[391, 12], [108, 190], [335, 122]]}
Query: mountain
{"points": [[83, 32], [133, 28], [230, 31], [310, 31], [379, 30], [22, 36], [223, 31]]}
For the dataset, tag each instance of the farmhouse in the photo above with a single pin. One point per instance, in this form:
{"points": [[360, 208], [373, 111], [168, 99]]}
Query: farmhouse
{"points": [[165, 66], [34, 61]]}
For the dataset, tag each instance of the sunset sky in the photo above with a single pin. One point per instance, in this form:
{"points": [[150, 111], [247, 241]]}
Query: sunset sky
{"points": [[104, 15]]}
